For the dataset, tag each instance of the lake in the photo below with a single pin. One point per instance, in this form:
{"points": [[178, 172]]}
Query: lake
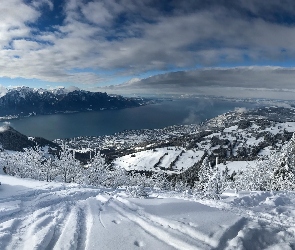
{"points": [[95, 123]]}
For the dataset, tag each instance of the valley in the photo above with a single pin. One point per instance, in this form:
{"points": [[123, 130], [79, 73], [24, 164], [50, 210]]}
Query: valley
{"points": [[232, 137]]}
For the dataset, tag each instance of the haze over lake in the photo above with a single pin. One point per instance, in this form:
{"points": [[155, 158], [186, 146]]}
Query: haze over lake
{"points": [[95, 123]]}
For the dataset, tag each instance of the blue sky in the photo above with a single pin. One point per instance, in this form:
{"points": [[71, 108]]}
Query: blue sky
{"points": [[91, 44]]}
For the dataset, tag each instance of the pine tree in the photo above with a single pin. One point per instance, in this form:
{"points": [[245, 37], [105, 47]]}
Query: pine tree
{"points": [[275, 173], [211, 182], [204, 174], [283, 167]]}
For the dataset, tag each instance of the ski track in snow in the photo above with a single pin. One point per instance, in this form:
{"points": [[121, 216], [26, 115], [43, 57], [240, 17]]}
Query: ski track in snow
{"points": [[270, 219], [60, 216]]}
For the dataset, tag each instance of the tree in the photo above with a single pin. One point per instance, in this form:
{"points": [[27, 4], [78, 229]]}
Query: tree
{"points": [[204, 174], [68, 169], [97, 172], [27, 164], [275, 173]]}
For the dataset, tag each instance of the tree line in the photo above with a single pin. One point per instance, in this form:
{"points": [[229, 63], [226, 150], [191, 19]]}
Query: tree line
{"points": [[276, 173]]}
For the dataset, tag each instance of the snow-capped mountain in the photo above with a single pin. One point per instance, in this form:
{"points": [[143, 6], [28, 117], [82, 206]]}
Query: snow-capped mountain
{"points": [[24, 101]]}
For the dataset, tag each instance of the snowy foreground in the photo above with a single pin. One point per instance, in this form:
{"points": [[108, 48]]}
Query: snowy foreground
{"points": [[40, 215]]}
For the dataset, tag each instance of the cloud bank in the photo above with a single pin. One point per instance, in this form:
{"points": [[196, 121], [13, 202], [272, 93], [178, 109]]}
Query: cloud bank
{"points": [[240, 82], [93, 42]]}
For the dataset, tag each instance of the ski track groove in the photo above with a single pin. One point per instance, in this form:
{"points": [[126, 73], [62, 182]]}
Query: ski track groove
{"points": [[8, 231], [82, 234], [60, 218], [41, 221], [91, 211], [176, 226], [64, 220], [165, 233], [69, 234], [27, 224]]}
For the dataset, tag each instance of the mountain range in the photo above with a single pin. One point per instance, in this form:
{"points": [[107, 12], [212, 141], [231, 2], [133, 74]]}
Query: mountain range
{"points": [[25, 101]]}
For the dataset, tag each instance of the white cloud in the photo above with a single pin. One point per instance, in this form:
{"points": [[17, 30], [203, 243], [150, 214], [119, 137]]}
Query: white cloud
{"points": [[14, 16], [96, 12], [23, 45], [146, 38], [40, 3], [133, 80], [240, 82]]}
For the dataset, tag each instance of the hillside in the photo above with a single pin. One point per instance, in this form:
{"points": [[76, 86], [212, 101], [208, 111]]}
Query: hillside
{"points": [[232, 137], [237, 138], [10, 139], [42, 215]]}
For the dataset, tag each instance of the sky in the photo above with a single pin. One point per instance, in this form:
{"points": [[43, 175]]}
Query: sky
{"points": [[218, 47]]}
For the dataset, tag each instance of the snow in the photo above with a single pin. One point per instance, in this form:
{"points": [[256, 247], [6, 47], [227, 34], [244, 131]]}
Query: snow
{"points": [[3, 128], [230, 129], [266, 151], [236, 165], [279, 127], [180, 158], [41, 215]]}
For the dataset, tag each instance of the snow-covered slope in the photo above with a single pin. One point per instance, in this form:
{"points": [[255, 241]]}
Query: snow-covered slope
{"points": [[40, 215], [170, 159], [233, 137]]}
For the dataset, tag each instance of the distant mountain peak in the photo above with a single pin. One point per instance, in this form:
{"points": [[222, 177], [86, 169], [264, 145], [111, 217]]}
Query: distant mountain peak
{"points": [[63, 90], [26, 101], [59, 90]]}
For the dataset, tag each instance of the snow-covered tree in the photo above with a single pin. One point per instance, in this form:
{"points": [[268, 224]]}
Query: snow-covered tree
{"points": [[204, 174], [215, 185], [254, 177], [12, 163], [282, 164], [67, 167], [99, 174], [159, 181], [138, 185], [211, 182], [275, 173], [27, 164], [32, 163]]}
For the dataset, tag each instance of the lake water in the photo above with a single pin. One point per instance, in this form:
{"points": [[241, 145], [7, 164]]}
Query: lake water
{"points": [[94, 123]]}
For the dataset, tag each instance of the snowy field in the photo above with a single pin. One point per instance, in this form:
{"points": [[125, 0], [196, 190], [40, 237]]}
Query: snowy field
{"points": [[40, 215], [171, 159], [236, 165]]}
